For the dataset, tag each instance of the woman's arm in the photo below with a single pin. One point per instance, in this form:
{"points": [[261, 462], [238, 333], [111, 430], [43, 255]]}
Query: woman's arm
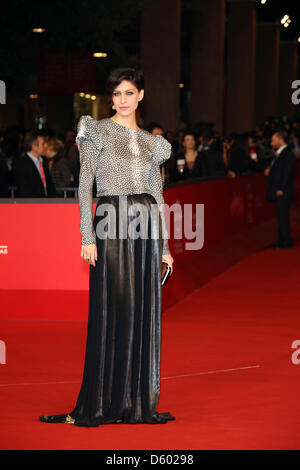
{"points": [[161, 153], [88, 159], [89, 149]]}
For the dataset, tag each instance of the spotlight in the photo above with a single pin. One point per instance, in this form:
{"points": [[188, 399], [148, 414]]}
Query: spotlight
{"points": [[285, 21], [100, 54]]}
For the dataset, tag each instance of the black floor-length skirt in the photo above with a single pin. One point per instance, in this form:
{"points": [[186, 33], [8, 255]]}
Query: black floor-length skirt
{"points": [[121, 377]]}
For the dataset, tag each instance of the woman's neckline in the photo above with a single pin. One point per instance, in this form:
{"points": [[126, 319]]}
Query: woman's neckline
{"points": [[125, 127]]}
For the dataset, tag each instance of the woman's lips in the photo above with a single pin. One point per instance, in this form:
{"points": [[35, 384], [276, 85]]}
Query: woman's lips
{"points": [[124, 107]]}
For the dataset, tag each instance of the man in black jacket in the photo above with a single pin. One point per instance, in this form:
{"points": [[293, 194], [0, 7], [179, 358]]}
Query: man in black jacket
{"points": [[32, 173], [280, 187]]}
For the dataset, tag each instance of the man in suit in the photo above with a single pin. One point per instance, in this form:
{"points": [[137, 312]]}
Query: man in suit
{"points": [[33, 177], [280, 187]]}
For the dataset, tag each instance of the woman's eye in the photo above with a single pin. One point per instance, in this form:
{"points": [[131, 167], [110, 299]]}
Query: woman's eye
{"points": [[116, 93]]}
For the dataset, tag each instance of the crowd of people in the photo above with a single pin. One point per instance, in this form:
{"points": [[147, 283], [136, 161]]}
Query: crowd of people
{"points": [[41, 164], [204, 153], [37, 163]]}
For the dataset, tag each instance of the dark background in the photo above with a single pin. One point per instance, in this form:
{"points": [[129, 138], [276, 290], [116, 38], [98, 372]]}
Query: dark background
{"points": [[90, 25]]}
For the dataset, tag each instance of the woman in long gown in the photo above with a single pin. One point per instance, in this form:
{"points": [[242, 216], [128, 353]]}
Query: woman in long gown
{"points": [[121, 377]]}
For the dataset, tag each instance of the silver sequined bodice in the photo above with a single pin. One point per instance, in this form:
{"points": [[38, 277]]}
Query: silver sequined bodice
{"points": [[124, 161]]}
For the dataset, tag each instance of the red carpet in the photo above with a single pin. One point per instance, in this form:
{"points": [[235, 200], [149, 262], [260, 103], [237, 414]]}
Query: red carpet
{"points": [[227, 373]]}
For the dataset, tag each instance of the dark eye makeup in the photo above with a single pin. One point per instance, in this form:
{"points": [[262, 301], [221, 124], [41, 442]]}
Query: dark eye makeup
{"points": [[115, 93]]}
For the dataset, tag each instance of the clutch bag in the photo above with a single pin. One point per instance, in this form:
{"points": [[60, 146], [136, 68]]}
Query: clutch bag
{"points": [[165, 273]]}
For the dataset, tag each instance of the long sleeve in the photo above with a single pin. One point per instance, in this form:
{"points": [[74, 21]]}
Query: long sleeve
{"points": [[161, 153], [88, 153]]}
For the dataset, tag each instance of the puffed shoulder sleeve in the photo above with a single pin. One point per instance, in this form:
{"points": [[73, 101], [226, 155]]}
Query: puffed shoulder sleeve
{"points": [[89, 143], [88, 130], [162, 149]]}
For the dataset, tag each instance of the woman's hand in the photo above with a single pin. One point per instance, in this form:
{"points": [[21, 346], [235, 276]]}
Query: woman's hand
{"points": [[89, 253], [168, 259]]}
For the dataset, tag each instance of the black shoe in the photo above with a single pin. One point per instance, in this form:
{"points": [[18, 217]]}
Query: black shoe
{"points": [[57, 419], [277, 246]]}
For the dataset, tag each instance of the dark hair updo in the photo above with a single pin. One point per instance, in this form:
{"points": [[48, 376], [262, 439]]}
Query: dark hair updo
{"points": [[188, 132], [116, 76]]}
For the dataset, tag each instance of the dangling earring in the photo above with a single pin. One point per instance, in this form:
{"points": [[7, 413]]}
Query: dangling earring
{"points": [[113, 107]]}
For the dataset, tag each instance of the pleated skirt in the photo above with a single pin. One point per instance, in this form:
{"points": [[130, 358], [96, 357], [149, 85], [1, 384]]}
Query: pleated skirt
{"points": [[121, 376]]}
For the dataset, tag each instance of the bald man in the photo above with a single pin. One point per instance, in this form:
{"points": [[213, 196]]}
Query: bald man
{"points": [[280, 187]]}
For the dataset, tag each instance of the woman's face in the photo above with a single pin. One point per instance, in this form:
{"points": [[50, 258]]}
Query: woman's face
{"points": [[49, 151], [189, 141], [126, 98], [251, 142]]}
